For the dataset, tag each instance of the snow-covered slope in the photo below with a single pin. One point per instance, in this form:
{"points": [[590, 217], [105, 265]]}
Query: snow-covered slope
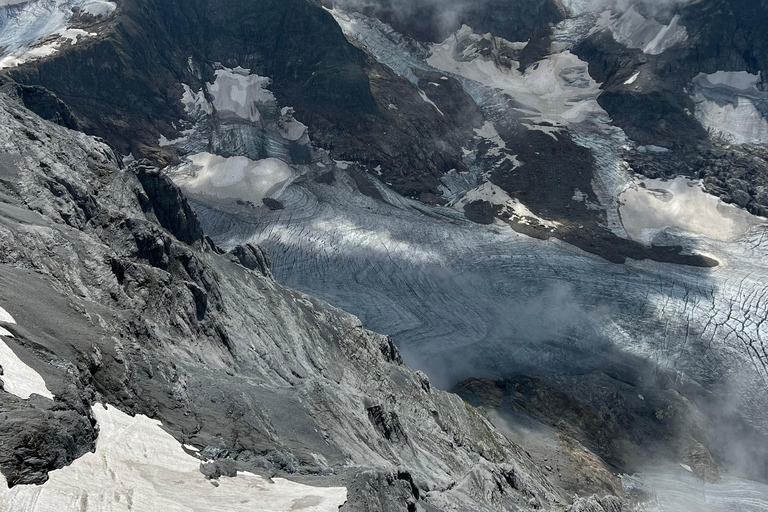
{"points": [[138, 466]]}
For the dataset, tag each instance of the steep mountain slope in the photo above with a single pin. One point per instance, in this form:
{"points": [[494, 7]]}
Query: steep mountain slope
{"points": [[119, 299]]}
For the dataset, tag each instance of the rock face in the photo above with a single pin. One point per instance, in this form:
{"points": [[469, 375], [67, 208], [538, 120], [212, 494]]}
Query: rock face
{"points": [[231, 362]]}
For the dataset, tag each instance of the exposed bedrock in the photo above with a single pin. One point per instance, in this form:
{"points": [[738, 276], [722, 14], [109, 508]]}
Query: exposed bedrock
{"points": [[626, 427]]}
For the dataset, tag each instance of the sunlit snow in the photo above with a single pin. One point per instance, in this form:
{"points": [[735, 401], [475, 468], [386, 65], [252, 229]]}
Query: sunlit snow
{"points": [[235, 178], [680, 204], [18, 378], [138, 466]]}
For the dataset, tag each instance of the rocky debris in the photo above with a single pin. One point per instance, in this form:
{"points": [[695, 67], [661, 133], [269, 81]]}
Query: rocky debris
{"points": [[737, 174], [42, 102], [273, 204], [427, 20], [39, 437], [381, 490], [698, 458], [331, 86], [481, 212], [388, 424]]}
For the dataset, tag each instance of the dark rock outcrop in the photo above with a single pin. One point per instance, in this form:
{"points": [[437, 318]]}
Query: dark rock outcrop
{"points": [[253, 257]]}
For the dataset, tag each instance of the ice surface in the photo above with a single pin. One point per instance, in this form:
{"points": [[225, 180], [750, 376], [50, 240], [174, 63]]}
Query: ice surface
{"points": [[673, 490], [633, 30], [656, 205], [727, 106], [290, 128], [19, 379], [235, 178], [459, 298], [138, 466]]}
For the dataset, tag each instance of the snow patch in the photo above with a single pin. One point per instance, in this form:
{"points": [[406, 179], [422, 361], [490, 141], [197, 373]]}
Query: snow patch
{"points": [[632, 79], [427, 100], [489, 133], [99, 9], [498, 197], [19, 379], [164, 142], [235, 178], [139, 466], [654, 206], [634, 30]]}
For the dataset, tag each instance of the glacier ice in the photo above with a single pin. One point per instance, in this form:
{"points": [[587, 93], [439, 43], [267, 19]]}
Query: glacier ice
{"points": [[730, 105]]}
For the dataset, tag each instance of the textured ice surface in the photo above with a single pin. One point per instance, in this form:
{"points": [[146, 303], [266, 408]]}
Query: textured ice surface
{"points": [[731, 107], [633, 30], [680, 204], [18, 378], [466, 300], [676, 490], [232, 178], [138, 466]]}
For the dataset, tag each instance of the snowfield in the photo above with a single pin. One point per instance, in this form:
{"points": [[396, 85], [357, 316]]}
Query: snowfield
{"points": [[18, 378], [235, 178], [138, 466], [653, 206]]}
